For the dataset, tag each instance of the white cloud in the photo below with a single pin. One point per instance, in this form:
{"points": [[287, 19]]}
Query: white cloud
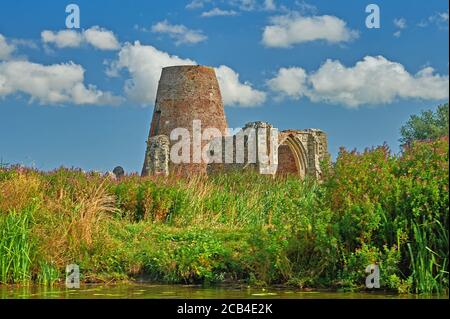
{"points": [[50, 84], [252, 5], [400, 23], [374, 80], [305, 8], [180, 33], [6, 49], [62, 39], [270, 5], [218, 12], [144, 64], [290, 29], [440, 19], [289, 82], [99, 38], [24, 43], [235, 92], [245, 5], [239, 5], [196, 4], [443, 16]]}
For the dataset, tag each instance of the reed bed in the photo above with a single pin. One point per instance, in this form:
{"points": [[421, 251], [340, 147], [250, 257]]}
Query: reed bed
{"points": [[371, 207]]}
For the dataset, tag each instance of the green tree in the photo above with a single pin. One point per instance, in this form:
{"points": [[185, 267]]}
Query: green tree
{"points": [[3, 164], [428, 125]]}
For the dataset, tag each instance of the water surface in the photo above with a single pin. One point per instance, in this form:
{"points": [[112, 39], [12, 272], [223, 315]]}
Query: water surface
{"points": [[161, 291]]}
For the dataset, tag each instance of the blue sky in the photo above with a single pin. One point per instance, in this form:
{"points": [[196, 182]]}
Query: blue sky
{"points": [[296, 64]]}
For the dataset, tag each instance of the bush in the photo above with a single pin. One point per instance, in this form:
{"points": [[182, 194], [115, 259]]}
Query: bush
{"points": [[371, 208], [394, 203]]}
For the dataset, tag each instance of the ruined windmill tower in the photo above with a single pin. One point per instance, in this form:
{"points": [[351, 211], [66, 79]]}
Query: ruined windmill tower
{"points": [[185, 93]]}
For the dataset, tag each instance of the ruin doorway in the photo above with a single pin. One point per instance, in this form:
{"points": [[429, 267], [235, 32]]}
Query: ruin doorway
{"points": [[291, 158]]}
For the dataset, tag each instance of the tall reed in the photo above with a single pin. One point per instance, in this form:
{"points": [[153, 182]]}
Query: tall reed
{"points": [[16, 246], [429, 267]]}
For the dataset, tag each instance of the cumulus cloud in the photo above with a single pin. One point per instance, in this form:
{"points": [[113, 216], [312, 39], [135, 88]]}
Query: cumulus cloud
{"points": [[374, 80], [6, 49], [218, 12], [62, 39], [289, 82], [293, 28], [180, 33], [99, 38], [24, 43], [51, 84], [236, 93], [144, 64]]}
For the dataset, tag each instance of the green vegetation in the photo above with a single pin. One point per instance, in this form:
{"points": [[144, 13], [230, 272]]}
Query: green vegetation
{"points": [[428, 125], [372, 207], [15, 246]]}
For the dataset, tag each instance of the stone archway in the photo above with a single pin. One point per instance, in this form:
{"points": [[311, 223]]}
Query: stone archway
{"points": [[291, 157]]}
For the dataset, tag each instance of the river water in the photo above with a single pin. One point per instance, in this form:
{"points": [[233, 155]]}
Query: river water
{"points": [[155, 291]]}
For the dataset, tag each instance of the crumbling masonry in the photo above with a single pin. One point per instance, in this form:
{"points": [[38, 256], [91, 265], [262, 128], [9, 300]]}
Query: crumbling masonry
{"points": [[188, 93]]}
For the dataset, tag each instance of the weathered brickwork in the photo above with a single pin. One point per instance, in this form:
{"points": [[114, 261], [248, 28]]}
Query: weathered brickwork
{"points": [[286, 161], [185, 94], [188, 93]]}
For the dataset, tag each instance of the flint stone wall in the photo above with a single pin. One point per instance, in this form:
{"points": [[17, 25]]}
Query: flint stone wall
{"points": [[157, 156], [291, 152]]}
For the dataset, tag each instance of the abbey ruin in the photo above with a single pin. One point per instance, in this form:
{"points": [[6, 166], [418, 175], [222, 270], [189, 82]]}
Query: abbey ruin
{"points": [[191, 94]]}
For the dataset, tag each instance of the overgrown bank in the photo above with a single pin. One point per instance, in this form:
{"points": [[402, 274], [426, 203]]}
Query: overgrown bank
{"points": [[372, 208]]}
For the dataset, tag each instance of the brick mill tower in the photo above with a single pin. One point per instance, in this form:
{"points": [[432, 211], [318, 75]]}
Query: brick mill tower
{"points": [[185, 93]]}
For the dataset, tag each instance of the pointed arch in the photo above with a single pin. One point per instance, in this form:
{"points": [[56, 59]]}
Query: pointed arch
{"points": [[291, 157]]}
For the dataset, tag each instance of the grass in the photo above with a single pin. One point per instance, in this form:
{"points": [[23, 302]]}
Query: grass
{"points": [[372, 207], [48, 274], [429, 268], [16, 246]]}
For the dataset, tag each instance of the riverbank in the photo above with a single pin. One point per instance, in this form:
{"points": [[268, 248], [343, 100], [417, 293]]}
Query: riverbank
{"points": [[371, 208]]}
